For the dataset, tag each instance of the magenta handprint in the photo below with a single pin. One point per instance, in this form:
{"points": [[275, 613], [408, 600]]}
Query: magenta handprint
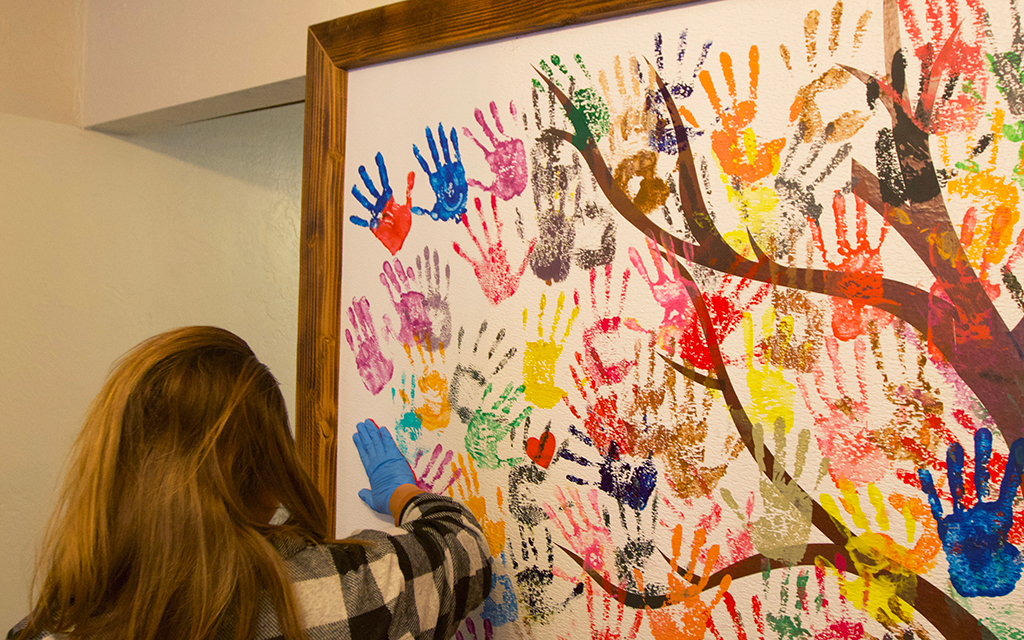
{"points": [[507, 159], [374, 367], [496, 276], [410, 305]]}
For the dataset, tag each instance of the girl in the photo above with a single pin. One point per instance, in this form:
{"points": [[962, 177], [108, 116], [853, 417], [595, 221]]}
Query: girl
{"points": [[166, 527]]}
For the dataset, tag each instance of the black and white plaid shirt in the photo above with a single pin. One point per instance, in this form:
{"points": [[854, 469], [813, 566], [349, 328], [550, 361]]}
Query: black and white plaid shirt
{"points": [[417, 580]]}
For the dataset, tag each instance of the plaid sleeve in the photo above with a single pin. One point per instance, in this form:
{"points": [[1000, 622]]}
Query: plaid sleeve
{"points": [[417, 580]]}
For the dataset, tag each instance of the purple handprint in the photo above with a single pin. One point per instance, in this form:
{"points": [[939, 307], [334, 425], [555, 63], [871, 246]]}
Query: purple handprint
{"points": [[448, 180], [374, 368], [982, 562], [507, 160], [436, 473], [410, 305]]}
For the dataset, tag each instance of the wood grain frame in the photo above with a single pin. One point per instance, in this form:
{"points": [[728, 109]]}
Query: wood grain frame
{"points": [[384, 34]]}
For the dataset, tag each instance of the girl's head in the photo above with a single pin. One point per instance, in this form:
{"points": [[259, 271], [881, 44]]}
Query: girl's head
{"points": [[163, 525]]}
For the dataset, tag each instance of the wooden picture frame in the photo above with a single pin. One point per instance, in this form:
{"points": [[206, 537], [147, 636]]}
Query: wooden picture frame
{"points": [[385, 34]]}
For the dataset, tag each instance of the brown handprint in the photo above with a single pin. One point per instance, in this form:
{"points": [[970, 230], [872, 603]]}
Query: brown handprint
{"points": [[734, 141], [635, 164], [825, 76]]}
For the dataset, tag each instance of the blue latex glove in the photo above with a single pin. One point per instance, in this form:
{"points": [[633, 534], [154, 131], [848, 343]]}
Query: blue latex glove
{"points": [[385, 466]]}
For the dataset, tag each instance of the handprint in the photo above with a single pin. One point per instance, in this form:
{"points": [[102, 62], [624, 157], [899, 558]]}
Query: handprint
{"points": [[551, 258], [629, 483], [689, 620], [673, 424], [533, 559], [435, 473], [497, 278], [734, 141], [680, 325], [409, 425], [490, 428], [374, 367], [434, 410], [448, 180], [475, 371], [468, 486], [771, 394], [589, 539], [963, 66], [797, 190], [635, 165], [389, 222], [542, 355], [840, 421], [595, 233], [599, 412], [507, 159], [680, 79], [986, 233], [826, 76], [410, 304], [887, 571], [1006, 66], [435, 300], [585, 98], [782, 532], [851, 318], [603, 359], [981, 560]]}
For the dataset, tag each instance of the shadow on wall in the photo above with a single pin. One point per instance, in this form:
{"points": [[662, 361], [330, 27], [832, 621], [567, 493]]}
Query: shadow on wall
{"points": [[252, 147]]}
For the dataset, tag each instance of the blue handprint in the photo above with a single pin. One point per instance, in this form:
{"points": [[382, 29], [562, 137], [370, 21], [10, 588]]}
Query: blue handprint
{"points": [[448, 180], [631, 485], [981, 560]]}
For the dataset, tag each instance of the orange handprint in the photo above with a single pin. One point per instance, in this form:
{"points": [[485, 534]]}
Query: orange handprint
{"points": [[469, 493], [688, 621], [734, 141]]}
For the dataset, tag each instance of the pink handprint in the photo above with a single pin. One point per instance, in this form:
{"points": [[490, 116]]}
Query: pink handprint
{"points": [[841, 425], [680, 326], [851, 318], [410, 305], [374, 368], [507, 160], [493, 271]]}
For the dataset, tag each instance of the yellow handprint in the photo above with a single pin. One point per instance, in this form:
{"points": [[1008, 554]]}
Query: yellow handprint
{"points": [[771, 395], [887, 570], [434, 411], [542, 355]]}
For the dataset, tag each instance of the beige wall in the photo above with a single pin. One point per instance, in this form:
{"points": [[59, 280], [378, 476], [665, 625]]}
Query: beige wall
{"points": [[41, 58], [106, 241]]}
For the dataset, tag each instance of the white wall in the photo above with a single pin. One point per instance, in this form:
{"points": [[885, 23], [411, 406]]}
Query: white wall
{"points": [[105, 241]]}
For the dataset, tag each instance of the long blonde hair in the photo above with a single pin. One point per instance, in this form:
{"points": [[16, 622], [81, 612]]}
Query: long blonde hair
{"points": [[161, 529]]}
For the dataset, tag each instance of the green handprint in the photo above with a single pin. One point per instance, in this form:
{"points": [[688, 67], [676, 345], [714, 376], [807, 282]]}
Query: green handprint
{"points": [[489, 428], [586, 99]]}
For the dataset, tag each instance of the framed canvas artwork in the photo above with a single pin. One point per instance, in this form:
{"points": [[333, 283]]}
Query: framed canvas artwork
{"points": [[709, 312]]}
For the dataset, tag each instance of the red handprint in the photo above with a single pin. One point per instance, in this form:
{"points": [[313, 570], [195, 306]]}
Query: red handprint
{"points": [[964, 62], [851, 318]]}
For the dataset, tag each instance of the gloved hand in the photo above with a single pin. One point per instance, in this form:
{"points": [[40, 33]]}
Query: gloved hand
{"points": [[384, 465]]}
